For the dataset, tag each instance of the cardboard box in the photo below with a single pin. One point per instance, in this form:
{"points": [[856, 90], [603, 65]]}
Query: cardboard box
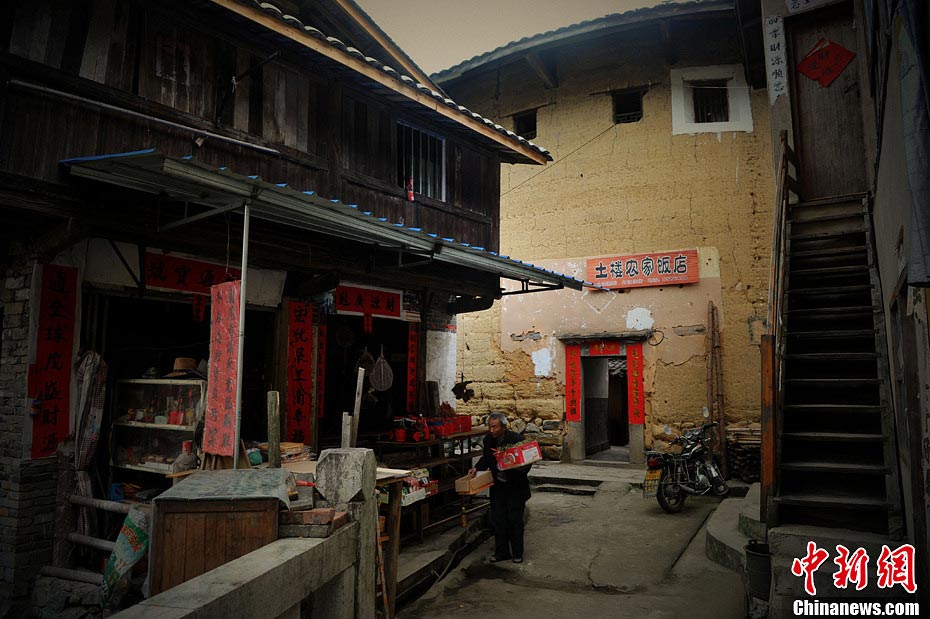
{"points": [[412, 497], [471, 485], [521, 455]]}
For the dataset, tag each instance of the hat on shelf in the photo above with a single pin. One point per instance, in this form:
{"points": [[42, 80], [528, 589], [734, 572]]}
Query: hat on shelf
{"points": [[183, 366]]}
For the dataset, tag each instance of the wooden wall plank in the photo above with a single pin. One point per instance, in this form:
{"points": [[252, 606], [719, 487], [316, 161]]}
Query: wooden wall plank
{"points": [[195, 541], [182, 59], [273, 102], [32, 23], [301, 112], [121, 58], [78, 27], [97, 48], [241, 105], [62, 13], [214, 553]]}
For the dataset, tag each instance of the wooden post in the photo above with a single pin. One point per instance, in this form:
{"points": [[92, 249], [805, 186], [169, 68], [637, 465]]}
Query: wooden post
{"points": [[392, 526], [346, 430], [360, 383], [710, 358], [767, 349], [721, 414], [274, 430]]}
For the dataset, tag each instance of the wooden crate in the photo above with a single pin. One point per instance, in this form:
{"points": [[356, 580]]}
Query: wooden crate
{"points": [[193, 537]]}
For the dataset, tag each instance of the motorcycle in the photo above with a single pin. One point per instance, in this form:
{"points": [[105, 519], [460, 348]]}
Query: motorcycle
{"points": [[671, 477]]}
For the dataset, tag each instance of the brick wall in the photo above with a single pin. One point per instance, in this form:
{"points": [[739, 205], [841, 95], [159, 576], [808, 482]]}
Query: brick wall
{"points": [[27, 487]]}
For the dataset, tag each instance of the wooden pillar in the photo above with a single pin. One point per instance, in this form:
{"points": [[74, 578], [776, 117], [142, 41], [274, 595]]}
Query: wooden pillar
{"points": [[769, 460], [392, 548]]}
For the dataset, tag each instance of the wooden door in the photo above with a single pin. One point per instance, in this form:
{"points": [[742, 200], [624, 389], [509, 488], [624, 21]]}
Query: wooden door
{"points": [[618, 423], [827, 120]]}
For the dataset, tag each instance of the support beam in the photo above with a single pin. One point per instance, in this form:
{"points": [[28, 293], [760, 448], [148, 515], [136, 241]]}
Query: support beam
{"points": [[542, 69], [242, 296]]}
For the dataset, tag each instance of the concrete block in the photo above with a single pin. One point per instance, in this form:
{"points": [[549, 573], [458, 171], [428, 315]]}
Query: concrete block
{"points": [[725, 542], [749, 522], [304, 530], [318, 516], [345, 475]]}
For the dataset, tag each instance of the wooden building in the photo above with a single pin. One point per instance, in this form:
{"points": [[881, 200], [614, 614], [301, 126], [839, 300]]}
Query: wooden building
{"points": [[135, 137]]}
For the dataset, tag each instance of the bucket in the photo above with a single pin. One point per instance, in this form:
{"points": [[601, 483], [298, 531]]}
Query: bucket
{"points": [[758, 569]]}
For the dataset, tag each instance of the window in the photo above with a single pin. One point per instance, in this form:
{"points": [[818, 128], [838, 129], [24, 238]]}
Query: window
{"points": [[524, 124], [628, 105], [710, 99], [421, 162]]}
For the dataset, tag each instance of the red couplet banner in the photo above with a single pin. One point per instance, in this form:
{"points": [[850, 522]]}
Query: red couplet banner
{"points": [[49, 379], [413, 356], [604, 348], [299, 370], [321, 373], [636, 399], [175, 273], [220, 425], [572, 382]]}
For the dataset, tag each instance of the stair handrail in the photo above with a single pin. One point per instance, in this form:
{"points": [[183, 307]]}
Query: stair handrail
{"points": [[772, 345]]}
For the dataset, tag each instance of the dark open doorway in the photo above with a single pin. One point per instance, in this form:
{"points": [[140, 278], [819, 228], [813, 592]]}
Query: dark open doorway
{"points": [[607, 430]]}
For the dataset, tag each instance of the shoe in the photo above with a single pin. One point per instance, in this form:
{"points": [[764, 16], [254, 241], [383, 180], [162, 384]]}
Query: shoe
{"points": [[498, 559], [518, 559]]}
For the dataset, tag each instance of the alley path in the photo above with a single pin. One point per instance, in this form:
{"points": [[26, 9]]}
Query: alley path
{"points": [[608, 555]]}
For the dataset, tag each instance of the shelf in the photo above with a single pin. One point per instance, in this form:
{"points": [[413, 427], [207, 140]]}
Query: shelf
{"points": [[158, 426], [476, 431], [144, 469], [161, 381], [440, 461]]}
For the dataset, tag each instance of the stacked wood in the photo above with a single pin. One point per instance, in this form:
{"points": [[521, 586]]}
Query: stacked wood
{"points": [[290, 452], [744, 454]]}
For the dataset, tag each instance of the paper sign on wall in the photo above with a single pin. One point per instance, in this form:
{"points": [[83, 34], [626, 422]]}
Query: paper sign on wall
{"points": [[49, 379], [220, 422], [776, 64], [299, 370], [176, 273], [604, 348], [636, 400], [642, 270], [572, 382]]}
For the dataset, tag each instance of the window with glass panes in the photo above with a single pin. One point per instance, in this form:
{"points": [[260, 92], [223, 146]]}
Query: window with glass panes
{"points": [[421, 162]]}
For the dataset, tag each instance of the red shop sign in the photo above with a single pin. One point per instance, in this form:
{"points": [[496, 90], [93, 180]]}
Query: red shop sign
{"points": [[636, 400], [49, 379], [604, 348], [175, 273], [220, 424], [642, 270], [299, 370], [572, 382]]}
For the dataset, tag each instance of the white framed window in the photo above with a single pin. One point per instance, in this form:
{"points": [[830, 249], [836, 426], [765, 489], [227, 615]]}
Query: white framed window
{"points": [[710, 99], [421, 162]]}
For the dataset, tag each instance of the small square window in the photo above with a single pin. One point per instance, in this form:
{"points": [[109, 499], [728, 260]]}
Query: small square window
{"points": [[524, 124], [711, 104], [628, 106]]}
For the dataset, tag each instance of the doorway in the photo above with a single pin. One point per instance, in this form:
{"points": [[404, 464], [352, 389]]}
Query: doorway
{"points": [[606, 421]]}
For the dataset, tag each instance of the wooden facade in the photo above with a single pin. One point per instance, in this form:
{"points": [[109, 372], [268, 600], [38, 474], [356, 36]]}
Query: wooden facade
{"points": [[61, 60]]}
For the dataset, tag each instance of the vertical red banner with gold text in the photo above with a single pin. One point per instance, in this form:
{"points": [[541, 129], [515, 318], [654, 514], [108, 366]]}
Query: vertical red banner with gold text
{"points": [[49, 380], [572, 382], [636, 400], [413, 357], [220, 425], [299, 370], [321, 374]]}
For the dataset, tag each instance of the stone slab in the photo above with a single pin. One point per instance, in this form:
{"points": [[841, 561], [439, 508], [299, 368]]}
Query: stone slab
{"points": [[725, 542]]}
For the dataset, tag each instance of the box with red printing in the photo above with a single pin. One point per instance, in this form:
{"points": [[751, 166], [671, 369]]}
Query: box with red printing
{"points": [[521, 455]]}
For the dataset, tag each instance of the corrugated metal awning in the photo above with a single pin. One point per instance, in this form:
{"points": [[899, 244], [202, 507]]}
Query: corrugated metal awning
{"points": [[183, 178]]}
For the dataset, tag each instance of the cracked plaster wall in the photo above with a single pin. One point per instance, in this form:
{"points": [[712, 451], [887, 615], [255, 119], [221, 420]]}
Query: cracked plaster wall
{"points": [[617, 189]]}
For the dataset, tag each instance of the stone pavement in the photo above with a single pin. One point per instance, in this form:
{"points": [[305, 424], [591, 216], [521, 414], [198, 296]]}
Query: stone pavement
{"points": [[613, 554]]}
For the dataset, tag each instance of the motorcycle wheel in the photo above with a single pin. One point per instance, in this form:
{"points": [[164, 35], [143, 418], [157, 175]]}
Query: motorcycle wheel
{"points": [[671, 498]]}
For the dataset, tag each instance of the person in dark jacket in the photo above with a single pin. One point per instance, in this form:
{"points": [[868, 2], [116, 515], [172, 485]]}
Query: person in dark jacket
{"points": [[509, 494]]}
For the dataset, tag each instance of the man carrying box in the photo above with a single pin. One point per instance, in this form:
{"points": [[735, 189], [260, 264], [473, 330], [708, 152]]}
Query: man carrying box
{"points": [[509, 494]]}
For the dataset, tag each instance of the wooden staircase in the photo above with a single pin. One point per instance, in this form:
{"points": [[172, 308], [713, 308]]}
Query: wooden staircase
{"points": [[834, 450]]}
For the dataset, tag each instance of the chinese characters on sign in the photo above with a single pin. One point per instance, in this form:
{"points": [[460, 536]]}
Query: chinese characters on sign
{"points": [[604, 348], [641, 270], [413, 355], [220, 424], [299, 370], [825, 62], [174, 273], [572, 382], [776, 65], [636, 400], [894, 567], [49, 380], [368, 302], [321, 373], [796, 6]]}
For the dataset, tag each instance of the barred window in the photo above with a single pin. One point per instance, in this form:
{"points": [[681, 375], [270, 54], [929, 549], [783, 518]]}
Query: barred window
{"points": [[711, 104], [524, 124], [628, 105], [421, 162]]}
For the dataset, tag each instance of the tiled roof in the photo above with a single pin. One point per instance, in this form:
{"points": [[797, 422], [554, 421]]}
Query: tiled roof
{"points": [[662, 9], [292, 21]]}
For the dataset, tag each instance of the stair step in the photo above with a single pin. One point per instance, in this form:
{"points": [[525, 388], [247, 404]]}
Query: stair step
{"points": [[833, 436], [831, 334], [832, 356], [824, 218], [834, 382], [830, 271], [829, 500], [835, 467], [826, 234], [832, 408], [837, 251], [828, 311], [831, 290], [850, 197], [567, 489]]}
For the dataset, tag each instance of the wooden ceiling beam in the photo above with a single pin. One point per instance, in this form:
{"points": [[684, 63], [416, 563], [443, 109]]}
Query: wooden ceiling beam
{"points": [[542, 69]]}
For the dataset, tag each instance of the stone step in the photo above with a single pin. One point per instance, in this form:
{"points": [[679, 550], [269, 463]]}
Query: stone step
{"points": [[726, 544], [749, 523], [558, 480], [575, 489]]}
